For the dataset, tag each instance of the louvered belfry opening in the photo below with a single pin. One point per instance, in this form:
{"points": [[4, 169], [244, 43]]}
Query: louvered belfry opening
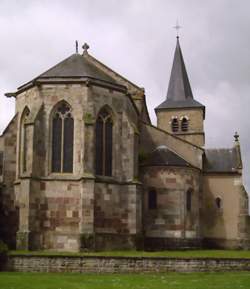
{"points": [[104, 140], [184, 124], [175, 125], [62, 139]]}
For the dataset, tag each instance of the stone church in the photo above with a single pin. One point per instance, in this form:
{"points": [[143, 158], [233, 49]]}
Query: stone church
{"points": [[83, 168]]}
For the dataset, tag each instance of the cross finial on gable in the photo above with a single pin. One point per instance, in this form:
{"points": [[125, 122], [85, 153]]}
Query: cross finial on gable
{"points": [[85, 47]]}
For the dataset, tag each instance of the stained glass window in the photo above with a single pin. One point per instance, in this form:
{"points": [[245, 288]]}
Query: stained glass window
{"points": [[62, 139], [104, 140]]}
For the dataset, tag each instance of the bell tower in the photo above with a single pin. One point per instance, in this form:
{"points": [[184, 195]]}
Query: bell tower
{"points": [[180, 114]]}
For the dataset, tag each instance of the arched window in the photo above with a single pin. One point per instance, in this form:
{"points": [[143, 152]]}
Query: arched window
{"points": [[24, 139], [62, 139], [152, 199], [104, 139], [175, 125], [189, 200], [218, 202]]}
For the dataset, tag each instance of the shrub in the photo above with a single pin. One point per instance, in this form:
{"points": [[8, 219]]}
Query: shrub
{"points": [[3, 253]]}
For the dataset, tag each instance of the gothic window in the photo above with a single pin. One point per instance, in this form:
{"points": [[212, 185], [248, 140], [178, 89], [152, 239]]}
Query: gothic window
{"points": [[218, 203], [24, 138], [184, 124], [104, 140], [175, 124], [189, 200], [62, 139], [152, 199], [1, 163]]}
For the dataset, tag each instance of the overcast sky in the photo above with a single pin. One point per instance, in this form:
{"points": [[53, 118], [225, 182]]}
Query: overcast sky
{"points": [[136, 38]]}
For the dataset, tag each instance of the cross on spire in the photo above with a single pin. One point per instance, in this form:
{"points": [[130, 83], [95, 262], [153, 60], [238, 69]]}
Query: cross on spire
{"points": [[177, 27], [236, 136], [85, 47]]}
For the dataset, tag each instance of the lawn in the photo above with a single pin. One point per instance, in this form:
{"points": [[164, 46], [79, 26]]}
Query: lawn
{"points": [[235, 280], [172, 254]]}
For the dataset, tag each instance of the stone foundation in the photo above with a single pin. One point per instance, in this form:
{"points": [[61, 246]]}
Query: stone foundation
{"points": [[158, 244], [216, 243], [122, 264]]}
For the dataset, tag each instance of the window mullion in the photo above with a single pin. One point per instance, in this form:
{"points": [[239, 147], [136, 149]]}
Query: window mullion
{"points": [[62, 145], [103, 146]]}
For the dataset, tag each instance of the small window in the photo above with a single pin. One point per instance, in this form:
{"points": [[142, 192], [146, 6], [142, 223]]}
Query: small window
{"points": [[184, 124], [152, 199], [1, 163], [218, 203], [189, 200], [175, 125]]}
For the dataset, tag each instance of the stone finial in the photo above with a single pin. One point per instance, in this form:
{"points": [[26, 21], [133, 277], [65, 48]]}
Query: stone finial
{"points": [[76, 46], [236, 136], [85, 47]]}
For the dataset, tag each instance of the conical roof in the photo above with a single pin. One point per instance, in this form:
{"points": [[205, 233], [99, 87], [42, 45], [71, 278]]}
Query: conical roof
{"points": [[179, 93], [162, 156]]}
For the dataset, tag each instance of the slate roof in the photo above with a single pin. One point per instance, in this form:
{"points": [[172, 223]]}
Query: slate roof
{"points": [[162, 156], [179, 93], [220, 160], [76, 66]]}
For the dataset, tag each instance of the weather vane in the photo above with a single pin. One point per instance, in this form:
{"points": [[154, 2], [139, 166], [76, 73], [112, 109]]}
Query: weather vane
{"points": [[177, 27]]}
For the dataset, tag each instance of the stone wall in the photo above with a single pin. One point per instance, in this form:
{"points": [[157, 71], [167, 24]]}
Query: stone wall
{"points": [[122, 264], [171, 219], [9, 211], [225, 226], [195, 116]]}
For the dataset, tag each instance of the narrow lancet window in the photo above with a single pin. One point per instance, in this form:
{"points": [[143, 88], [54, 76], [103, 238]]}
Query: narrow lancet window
{"points": [[189, 200], [152, 199], [24, 139], [218, 203], [62, 139], [104, 140], [1, 163]]}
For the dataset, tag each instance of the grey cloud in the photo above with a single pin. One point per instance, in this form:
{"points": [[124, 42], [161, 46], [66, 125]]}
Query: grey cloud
{"points": [[136, 39]]}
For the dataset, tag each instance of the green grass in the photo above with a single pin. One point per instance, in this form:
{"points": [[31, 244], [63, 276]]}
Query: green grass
{"points": [[126, 281], [173, 254]]}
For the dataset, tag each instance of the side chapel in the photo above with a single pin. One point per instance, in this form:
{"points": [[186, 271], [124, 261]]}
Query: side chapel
{"points": [[83, 168]]}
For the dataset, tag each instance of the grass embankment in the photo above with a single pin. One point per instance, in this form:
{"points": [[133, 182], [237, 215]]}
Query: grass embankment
{"points": [[172, 254], [240, 280]]}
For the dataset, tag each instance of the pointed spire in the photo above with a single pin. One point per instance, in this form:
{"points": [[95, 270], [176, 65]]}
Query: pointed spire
{"points": [[179, 87], [179, 94]]}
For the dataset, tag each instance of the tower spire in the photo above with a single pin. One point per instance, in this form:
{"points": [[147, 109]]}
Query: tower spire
{"points": [[179, 93]]}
